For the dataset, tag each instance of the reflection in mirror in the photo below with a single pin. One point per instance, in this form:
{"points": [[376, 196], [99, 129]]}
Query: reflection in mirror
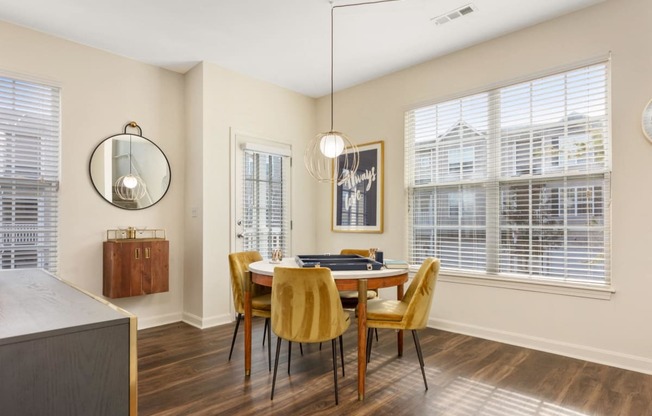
{"points": [[129, 170]]}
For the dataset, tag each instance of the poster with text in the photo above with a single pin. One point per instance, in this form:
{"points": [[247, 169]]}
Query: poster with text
{"points": [[357, 202]]}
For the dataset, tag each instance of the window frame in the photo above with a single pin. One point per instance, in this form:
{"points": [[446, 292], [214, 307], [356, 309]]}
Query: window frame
{"points": [[34, 184], [591, 289]]}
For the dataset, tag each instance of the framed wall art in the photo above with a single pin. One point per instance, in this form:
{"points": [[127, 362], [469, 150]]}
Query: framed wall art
{"points": [[357, 200]]}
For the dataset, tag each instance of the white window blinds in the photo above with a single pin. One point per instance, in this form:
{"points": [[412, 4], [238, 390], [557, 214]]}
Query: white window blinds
{"points": [[514, 182], [266, 201], [29, 174]]}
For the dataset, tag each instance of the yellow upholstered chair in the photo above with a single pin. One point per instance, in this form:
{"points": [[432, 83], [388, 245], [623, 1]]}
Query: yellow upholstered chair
{"points": [[306, 308], [411, 312], [261, 301], [364, 252], [350, 297]]}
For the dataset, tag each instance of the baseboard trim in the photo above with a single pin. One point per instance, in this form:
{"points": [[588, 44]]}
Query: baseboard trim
{"points": [[217, 320], [582, 352], [203, 323], [191, 319], [158, 320]]}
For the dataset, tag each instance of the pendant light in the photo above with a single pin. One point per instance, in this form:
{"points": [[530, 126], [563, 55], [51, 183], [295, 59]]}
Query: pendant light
{"points": [[130, 187], [325, 148]]}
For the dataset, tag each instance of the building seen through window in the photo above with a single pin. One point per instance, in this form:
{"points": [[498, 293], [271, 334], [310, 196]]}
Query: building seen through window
{"points": [[514, 181]]}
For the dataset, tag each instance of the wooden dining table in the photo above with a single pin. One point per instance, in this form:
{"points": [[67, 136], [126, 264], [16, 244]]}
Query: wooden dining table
{"points": [[262, 273]]}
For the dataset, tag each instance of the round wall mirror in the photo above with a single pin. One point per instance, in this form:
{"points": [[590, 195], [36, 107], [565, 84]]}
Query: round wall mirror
{"points": [[647, 121], [130, 171]]}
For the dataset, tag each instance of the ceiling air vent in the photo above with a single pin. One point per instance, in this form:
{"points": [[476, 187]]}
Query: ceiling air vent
{"points": [[454, 14]]}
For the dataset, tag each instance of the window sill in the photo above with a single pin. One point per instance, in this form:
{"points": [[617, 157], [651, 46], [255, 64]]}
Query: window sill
{"points": [[597, 292]]}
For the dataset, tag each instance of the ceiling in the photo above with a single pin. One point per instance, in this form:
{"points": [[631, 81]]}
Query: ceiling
{"points": [[285, 42]]}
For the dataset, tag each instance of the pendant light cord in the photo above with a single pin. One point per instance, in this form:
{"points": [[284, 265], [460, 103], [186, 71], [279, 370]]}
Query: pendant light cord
{"points": [[332, 64], [130, 155], [333, 42]]}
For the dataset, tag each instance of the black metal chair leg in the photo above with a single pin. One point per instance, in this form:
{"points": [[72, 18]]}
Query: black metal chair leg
{"points": [[265, 330], [289, 355], [369, 342], [269, 343], [376, 331], [334, 347], [301, 348], [342, 355], [278, 350], [417, 344], [235, 333]]}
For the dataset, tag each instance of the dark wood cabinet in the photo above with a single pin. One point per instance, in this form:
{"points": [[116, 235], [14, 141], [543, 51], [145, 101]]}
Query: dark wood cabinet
{"points": [[135, 267]]}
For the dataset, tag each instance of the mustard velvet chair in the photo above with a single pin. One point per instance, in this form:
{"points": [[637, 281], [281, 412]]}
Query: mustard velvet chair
{"points": [[364, 252], [306, 307], [350, 297], [411, 312], [261, 302]]}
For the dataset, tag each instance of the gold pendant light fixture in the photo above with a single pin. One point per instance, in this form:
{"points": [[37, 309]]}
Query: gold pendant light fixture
{"points": [[325, 148]]}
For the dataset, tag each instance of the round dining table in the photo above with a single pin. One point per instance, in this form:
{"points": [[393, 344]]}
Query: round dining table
{"points": [[262, 273]]}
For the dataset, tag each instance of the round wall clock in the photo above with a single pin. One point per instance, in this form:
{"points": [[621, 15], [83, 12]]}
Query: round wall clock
{"points": [[647, 121]]}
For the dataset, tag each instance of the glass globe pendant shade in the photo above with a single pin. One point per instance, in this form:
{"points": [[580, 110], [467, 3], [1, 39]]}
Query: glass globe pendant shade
{"points": [[331, 145], [326, 160], [130, 187], [130, 181]]}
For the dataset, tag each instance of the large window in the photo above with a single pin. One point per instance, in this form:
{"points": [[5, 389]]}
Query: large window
{"points": [[29, 174], [514, 182]]}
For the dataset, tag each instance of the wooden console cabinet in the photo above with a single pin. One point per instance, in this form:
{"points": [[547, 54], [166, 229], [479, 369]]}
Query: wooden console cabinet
{"points": [[134, 267], [63, 351]]}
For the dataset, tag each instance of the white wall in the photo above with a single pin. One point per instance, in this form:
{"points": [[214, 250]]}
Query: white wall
{"points": [[234, 101], [612, 331], [100, 93]]}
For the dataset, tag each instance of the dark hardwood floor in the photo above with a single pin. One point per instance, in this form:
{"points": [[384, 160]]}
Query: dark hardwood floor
{"points": [[184, 371]]}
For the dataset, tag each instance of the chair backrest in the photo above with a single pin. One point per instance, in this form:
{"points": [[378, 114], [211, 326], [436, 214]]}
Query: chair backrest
{"points": [[419, 295], [239, 266], [306, 305], [360, 252]]}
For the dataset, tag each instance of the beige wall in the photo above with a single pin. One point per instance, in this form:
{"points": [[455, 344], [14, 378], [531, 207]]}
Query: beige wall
{"points": [[190, 117], [235, 102], [613, 331], [100, 93], [194, 244]]}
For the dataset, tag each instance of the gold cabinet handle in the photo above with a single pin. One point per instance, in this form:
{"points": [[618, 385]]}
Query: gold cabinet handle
{"points": [[137, 253], [147, 252]]}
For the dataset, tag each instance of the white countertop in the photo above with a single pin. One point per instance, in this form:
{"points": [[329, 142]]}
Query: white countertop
{"points": [[265, 267]]}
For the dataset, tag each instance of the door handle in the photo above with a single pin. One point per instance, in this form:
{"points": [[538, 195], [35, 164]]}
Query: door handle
{"points": [[240, 235]]}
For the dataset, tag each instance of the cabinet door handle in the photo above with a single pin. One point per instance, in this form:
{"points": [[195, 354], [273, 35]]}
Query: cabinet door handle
{"points": [[147, 252], [137, 253]]}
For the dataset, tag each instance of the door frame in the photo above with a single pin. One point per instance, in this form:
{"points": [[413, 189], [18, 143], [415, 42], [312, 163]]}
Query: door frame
{"points": [[236, 136]]}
